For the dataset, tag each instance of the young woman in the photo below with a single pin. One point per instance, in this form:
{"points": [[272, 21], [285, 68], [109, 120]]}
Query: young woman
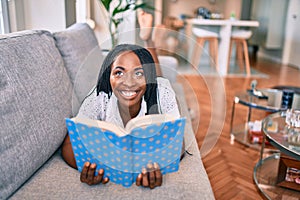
{"points": [[127, 87]]}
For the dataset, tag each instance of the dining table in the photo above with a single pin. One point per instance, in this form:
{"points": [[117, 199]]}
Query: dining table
{"points": [[225, 29]]}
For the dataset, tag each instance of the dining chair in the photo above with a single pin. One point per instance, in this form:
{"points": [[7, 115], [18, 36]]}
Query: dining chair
{"points": [[239, 38], [203, 36]]}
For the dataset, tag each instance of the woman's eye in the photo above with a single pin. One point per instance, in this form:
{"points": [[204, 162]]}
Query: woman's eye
{"points": [[118, 73], [139, 74]]}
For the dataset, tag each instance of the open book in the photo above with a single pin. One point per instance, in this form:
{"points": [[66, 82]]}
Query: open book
{"points": [[123, 152]]}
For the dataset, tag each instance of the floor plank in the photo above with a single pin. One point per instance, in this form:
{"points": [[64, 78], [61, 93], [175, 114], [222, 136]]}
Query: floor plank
{"points": [[229, 164]]}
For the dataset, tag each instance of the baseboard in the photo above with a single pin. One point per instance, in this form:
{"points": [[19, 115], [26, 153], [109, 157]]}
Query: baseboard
{"points": [[268, 57]]}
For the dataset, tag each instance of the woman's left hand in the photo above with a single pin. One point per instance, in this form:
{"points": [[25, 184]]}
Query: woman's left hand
{"points": [[150, 177]]}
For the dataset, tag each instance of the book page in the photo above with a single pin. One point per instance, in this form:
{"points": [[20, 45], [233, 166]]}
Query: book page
{"points": [[147, 120], [119, 131]]}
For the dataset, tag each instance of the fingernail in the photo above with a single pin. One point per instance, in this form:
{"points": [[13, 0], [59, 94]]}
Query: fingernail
{"points": [[155, 165], [144, 171], [87, 164], [93, 165], [101, 171], [149, 165]]}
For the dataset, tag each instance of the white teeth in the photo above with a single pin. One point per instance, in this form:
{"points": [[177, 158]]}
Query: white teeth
{"points": [[128, 93]]}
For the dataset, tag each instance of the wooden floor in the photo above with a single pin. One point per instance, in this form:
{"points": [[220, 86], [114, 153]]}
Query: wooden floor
{"points": [[229, 164]]}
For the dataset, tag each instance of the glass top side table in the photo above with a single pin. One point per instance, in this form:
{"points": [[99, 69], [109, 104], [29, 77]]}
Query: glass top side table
{"points": [[270, 104], [266, 171], [265, 177], [284, 138]]}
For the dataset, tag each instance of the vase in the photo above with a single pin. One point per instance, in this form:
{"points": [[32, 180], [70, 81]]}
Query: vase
{"points": [[114, 39]]}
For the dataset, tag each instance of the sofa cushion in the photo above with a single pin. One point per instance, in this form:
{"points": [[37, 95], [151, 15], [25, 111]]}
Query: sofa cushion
{"points": [[35, 98], [75, 44], [82, 57]]}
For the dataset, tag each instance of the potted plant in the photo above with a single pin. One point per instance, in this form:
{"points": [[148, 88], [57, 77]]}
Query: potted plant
{"points": [[115, 9]]}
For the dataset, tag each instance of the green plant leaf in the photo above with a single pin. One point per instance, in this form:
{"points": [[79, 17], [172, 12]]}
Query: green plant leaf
{"points": [[117, 21], [106, 4], [146, 6], [142, 5], [120, 9]]}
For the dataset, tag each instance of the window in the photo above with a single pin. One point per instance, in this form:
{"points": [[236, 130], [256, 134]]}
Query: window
{"points": [[4, 17], [1, 21]]}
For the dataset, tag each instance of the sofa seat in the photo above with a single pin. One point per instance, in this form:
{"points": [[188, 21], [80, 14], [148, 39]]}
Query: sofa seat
{"points": [[56, 180]]}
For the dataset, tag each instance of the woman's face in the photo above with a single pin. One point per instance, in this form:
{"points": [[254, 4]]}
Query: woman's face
{"points": [[127, 79]]}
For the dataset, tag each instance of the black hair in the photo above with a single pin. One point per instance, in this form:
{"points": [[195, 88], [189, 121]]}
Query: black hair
{"points": [[146, 60]]}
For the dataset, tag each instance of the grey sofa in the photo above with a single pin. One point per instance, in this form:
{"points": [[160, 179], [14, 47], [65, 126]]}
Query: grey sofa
{"points": [[38, 89]]}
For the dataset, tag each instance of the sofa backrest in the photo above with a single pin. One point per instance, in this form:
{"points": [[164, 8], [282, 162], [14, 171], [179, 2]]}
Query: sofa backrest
{"points": [[83, 58], [35, 93]]}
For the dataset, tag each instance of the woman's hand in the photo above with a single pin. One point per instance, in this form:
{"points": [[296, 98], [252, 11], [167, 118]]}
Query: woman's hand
{"points": [[150, 177], [88, 175]]}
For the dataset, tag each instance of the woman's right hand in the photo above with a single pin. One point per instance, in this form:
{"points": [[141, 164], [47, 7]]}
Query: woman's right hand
{"points": [[88, 175], [150, 177]]}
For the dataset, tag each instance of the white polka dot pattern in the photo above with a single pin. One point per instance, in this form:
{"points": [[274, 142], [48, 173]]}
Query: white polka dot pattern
{"points": [[123, 158]]}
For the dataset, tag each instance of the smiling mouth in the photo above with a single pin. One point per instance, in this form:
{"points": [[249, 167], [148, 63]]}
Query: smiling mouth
{"points": [[128, 94]]}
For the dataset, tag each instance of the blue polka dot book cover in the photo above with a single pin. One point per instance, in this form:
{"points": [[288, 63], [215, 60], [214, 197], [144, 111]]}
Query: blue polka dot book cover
{"points": [[124, 152]]}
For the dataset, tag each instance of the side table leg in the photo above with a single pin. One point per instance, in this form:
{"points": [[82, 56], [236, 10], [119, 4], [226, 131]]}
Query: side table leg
{"points": [[262, 147], [249, 114], [249, 110], [232, 116]]}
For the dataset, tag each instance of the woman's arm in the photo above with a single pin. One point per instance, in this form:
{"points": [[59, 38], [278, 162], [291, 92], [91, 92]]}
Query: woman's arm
{"points": [[88, 172], [67, 152]]}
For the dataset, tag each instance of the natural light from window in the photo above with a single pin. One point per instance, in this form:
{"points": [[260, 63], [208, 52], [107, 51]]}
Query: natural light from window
{"points": [[1, 19]]}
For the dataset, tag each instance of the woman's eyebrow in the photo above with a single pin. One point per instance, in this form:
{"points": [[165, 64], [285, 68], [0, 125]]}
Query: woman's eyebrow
{"points": [[119, 67], [138, 68]]}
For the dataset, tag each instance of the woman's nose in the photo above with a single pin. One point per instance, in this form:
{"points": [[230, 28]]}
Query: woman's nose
{"points": [[129, 80]]}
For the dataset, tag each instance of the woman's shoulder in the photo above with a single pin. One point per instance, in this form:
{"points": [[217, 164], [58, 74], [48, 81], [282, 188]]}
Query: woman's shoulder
{"points": [[165, 89], [93, 97], [167, 97], [163, 82], [93, 104], [164, 85]]}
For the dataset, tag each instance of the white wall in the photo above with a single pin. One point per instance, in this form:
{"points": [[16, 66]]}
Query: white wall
{"points": [[45, 14], [232, 6], [274, 33], [291, 49]]}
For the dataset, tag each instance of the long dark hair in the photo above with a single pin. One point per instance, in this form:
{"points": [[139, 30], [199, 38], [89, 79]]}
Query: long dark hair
{"points": [[146, 60]]}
